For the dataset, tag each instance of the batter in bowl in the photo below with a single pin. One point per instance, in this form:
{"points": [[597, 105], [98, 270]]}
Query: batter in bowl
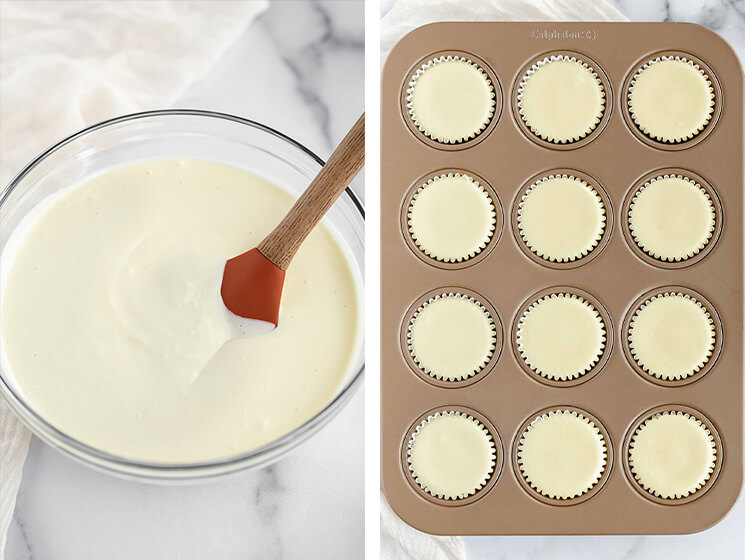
{"points": [[114, 330]]}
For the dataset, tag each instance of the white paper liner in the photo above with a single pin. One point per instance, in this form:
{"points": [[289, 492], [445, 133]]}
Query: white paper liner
{"points": [[699, 365], [595, 360], [601, 439], [655, 254], [532, 70], [465, 375], [698, 487], [412, 441], [410, 94], [658, 137], [471, 254], [582, 253]]}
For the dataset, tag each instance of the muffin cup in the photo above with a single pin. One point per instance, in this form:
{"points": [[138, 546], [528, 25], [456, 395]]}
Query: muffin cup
{"points": [[672, 144], [497, 454], [411, 316], [650, 257], [420, 131], [600, 361], [583, 257], [477, 256], [530, 68], [487, 237], [716, 326], [532, 490], [715, 439]]}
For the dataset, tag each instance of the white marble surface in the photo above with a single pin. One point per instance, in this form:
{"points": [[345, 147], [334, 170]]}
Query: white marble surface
{"points": [[726, 540], [298, 68]]}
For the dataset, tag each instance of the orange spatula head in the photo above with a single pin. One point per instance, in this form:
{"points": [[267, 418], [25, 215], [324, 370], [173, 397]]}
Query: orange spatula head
{"points": [[252, 282], [252, 286]]}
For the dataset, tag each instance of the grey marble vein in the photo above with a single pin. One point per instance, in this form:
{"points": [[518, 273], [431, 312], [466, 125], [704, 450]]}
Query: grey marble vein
{"points": [[726, 17], [19, 547], [267, 499], [308, 57]]}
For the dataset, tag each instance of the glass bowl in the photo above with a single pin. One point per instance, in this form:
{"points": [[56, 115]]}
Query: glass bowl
{"points": [[185, 134]]}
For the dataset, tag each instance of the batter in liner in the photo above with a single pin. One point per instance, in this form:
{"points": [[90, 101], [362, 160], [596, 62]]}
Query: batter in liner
{"points": [[114, 330], [671, 99], [451, 218], [561, 336], [561, 99], [451, 99], [672, 336], [561, 218], [452, 337], [451, 455], [672, 454], [672, 218], [562, 454]]}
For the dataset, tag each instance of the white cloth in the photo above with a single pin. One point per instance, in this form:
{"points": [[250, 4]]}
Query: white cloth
{"points": [[398, 540], [108, 59]]}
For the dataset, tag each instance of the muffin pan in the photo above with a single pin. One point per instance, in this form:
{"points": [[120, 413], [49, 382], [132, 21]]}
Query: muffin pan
{"points": [[652, 242]]}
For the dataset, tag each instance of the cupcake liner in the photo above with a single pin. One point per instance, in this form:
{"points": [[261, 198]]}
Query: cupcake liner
{"points": [[471, 254], [698, 366], [410, 94], [582, 253], [548, 375], [653, 253], [428, 371], [412, 441], [532, 70], [710, 470], [532, 484], [658, 137]]}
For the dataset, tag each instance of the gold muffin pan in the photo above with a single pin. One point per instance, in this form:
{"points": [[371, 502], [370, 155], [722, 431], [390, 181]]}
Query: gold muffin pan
{"points": [[616, 277]]}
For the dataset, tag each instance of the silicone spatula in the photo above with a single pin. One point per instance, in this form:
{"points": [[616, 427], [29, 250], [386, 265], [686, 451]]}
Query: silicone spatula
{"points": [[252, 282]]}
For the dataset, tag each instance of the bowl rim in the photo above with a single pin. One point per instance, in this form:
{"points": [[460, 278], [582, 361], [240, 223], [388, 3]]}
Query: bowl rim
{"points": [[160, 471]]}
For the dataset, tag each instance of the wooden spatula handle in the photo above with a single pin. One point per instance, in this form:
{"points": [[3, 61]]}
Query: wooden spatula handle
{"points": [[344, 164]]}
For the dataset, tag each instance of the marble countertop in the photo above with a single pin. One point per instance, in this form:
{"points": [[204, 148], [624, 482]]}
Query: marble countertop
{"points": [[725, 540], [298, 68]]}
